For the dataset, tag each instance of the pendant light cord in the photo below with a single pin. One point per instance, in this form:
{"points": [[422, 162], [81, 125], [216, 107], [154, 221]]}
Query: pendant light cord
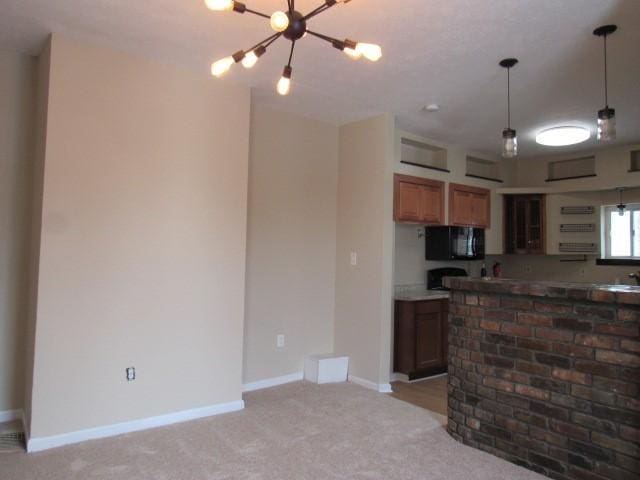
{"points": [[509, 98], [293, 44], [606, 95]]}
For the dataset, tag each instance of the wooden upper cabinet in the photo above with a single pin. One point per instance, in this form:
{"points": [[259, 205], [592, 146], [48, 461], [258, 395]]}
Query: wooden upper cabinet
{"points": [[469, 206], [418, 200]]}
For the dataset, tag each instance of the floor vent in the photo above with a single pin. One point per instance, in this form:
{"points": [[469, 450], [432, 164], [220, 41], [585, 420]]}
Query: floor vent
{"points": [[11, 442]]}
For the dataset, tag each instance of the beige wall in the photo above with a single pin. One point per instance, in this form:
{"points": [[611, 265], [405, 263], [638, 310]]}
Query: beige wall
{"points": [[142, 256], [17, 91], [365, 227], [291, 244]]}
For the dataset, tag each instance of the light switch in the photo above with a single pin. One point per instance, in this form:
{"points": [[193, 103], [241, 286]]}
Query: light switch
{"points": [[354, 259]]}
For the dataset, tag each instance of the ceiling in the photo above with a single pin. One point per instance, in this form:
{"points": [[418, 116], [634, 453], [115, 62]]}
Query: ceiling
{"points": [[435, 51]]}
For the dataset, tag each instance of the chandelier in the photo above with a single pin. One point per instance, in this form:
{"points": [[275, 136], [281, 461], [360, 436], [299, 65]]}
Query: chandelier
{"points": [[291, 25]]}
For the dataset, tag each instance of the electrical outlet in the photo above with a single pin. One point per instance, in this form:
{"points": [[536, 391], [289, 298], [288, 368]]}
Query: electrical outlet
{"points": [[528, 269], [354, 259], [280, 341], [131, 373], [582, 272]]}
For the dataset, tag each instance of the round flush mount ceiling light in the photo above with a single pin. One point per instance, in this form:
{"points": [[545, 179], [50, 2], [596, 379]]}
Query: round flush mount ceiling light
{"points": [[563, 136]]}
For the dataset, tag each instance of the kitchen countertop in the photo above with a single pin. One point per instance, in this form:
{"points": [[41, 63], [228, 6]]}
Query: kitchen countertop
{"points": [[415, 295]]}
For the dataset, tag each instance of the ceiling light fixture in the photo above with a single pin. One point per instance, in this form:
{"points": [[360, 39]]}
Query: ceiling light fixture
{"points": [[606, 116], [509, 137], [562, 136], [292, 25], [621, 206]]}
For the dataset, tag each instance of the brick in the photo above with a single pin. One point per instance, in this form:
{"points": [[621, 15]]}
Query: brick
{"points": [[490, 325], [516, 329], [596, 312], [482, 438], [571, 376], [628, 315], [547, 462], [511, 424], [531, 443], [512, 400], [489, 301], [532, 392], [549, 411], [569, 430], [473, 423], [489, 348], [580, 474], [548, 437], [572, 324], [533, 344], [618, 358], [593, 395], [627, 463], [477, 312], [498, 384], [486, 392], [555, 335], [589, 450], [471, 299], [616, 386], [499, 361], [573, 403], [534, 319], [596, 368], [614, 473], [496, 431], [502, 315], [531, 418], [602, 296], [512, 352], [550, 385], [553, 360], [533, 368], [631, 298], [630, 346], [590, 340], [580, 461], [512, 376], [621, 446], [629, 433], [495, 407], [516, 303], [622, 330], [628, 403], [593, 423], [483, 415], [500, 339], [549, 307], [570, 350], [617, 415]]}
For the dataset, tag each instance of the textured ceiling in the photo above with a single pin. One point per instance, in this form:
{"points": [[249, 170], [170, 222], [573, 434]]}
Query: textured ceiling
{"points": [[435, 51]]}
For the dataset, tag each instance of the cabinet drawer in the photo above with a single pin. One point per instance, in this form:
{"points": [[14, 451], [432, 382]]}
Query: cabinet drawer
{"points": [[428, 306]]}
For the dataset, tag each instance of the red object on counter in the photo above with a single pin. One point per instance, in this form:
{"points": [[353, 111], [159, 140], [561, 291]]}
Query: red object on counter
{"points": [[497, 270]]}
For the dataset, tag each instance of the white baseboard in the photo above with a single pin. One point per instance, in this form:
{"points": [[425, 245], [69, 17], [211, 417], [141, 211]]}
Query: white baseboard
{"points": [[378, 387], [45, 443], [401, 377], [10, 415], [272, 382]]}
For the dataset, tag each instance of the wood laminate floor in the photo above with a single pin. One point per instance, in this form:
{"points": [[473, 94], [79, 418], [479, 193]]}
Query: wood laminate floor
{"points": [[430, 393]]}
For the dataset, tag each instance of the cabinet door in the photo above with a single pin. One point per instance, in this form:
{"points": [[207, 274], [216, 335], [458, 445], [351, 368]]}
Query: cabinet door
{"points": [[409, 202], [536, 226], [432, 204], [469, 206], [524, 224], [429, 340]]}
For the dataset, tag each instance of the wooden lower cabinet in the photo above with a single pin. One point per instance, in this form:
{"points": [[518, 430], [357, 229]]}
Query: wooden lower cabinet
{"points": [[421, 337]]}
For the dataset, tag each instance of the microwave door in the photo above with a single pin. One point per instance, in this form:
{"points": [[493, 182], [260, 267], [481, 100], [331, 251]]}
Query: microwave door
{"points": [[463, 243]]}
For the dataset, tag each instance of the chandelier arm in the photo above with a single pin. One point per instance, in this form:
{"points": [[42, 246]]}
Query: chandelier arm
{"points": [[260, 14], [293, 45], [318, 10], [326, 38], [266, 42]]}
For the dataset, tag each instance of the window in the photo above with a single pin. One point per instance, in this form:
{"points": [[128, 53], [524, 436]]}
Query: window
{"points": [[622, 232]]}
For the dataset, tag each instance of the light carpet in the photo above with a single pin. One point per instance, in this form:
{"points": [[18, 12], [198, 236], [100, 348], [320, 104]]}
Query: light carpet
{"points": [[297, 431]]}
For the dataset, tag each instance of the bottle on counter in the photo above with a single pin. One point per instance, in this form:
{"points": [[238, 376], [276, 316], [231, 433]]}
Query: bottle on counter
{"points": [[497, 269], [483, 271]]}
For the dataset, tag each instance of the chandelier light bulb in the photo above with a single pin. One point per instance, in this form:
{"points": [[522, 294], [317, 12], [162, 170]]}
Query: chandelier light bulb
{"points": [[249, 60], [279, 21], [353, 53], [219, 5], [284, 84], [221, 67], [370, 51]]}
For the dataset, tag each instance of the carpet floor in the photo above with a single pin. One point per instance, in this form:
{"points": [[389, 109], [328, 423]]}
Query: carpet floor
{"points": [[297, 431]]}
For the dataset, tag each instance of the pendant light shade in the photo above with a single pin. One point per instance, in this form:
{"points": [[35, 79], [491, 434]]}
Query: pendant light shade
{"points": [[509, 136], [606, 116], [621, 206]]}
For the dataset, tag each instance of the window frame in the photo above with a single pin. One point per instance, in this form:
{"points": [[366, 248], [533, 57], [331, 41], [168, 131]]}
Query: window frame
{"points": [[631, 208]]}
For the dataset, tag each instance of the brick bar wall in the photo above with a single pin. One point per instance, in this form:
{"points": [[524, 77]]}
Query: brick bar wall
{"points": [[551, 384]]}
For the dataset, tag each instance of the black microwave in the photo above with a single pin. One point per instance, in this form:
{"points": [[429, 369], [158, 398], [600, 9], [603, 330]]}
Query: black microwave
{"points": [[454, 243]]}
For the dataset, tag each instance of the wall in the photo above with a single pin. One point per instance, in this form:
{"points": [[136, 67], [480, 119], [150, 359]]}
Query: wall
{"points": [[17, 91], [291, 245], [365, 227], [142, 255]]}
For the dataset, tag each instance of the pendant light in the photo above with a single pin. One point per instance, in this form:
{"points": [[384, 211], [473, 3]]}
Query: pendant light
{"points": [[509, 137], [606, 116], [621, 206]]}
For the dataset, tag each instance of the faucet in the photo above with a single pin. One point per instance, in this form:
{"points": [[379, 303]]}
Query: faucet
{"points": [[635, 276]]}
